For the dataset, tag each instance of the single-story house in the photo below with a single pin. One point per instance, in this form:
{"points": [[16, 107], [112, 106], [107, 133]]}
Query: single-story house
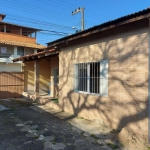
{"points": [[104, 73]]}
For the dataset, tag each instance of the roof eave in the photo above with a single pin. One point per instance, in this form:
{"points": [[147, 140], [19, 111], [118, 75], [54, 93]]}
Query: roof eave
{"points": [[99, 28], [35, 46], [37, 55], [7, 23]]}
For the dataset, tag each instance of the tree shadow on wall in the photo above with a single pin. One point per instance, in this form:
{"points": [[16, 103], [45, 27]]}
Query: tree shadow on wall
{"points": [[126, 106]]}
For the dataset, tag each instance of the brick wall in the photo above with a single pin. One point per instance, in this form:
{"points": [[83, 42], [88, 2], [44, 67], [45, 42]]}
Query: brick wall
{"points": [[126, 106]]}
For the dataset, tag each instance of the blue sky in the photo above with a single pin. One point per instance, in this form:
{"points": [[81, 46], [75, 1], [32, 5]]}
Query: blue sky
{"points": [[55, 15]]}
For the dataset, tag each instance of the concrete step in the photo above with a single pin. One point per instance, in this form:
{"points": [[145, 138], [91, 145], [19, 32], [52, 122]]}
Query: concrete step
{"points": [[44, 100]]}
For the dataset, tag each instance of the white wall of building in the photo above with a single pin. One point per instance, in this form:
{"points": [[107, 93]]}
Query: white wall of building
{"points": [[10, 67], [6, 64]]}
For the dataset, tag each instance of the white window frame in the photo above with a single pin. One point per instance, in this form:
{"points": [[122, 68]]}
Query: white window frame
{"points": [[56, 76], [102, 86]]}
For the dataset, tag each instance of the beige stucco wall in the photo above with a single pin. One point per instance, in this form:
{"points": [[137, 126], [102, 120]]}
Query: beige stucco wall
{"points": [[126, 49], [45, 71], [29, 76], [53, 86], [44, 76]]}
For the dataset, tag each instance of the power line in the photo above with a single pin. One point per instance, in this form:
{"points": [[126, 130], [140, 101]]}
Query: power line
{"points": [[89, 12], [37, 10], [38, 22], [20, 7]]}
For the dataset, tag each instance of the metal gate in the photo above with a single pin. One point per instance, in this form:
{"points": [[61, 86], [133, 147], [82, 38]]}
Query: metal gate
{"points": [[11, 84]]}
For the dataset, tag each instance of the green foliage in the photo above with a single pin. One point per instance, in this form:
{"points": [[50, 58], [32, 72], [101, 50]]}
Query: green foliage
{"points": [[55, 100], [113, 146], [94, 136], [114, 131]]}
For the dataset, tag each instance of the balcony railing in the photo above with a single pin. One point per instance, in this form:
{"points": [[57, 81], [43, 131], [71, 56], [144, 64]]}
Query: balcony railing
{"points": [[7, 58], [5, 55], [17, 38]]}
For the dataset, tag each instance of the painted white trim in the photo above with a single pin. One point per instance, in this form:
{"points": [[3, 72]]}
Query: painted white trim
{"points": [[82, 92], [10, 67], [35, 51], [5, 28], [20, 31], [15, 50], [88, 78], [104, 77]]}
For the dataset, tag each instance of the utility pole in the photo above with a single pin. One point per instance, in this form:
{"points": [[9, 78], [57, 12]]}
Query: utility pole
{"points": [[82, 19]]}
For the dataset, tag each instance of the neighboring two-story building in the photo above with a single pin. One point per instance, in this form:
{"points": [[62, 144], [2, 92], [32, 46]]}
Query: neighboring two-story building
{"points": [[15, 41]]}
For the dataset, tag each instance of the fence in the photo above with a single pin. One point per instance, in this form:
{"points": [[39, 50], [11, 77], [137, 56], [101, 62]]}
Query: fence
{"points": [[11, 84]]}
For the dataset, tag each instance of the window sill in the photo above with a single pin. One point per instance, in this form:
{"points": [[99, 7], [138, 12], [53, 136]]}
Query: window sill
{"points": [[94, 94]]}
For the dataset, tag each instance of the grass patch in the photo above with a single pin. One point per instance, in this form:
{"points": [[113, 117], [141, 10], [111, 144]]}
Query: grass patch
{"points": [[53, 142], [114, 131], [113, 146], [94, 136], [55, 100]]}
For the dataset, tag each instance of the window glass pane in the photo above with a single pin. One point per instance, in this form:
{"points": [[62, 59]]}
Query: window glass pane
{"points": [[97, 77], [81, 77], [20, 51], [91, 77], [56, 76], [87, 77], [94, 77]]}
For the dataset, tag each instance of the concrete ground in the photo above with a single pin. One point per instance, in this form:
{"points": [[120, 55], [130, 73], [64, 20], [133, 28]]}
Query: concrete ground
{"points": [[27, 126]]}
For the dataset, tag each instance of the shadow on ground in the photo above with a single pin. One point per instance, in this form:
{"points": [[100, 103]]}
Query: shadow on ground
{"points": [[28, 126]]}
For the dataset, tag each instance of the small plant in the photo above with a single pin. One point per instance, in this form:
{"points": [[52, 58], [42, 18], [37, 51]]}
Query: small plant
{"points": [[54, 143], [55, 100], [113, 146], [94, 136], [121, 145], [134, 139], [114, 131]]}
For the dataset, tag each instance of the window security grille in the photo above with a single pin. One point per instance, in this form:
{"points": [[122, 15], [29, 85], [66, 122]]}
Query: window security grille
{"points": [[92, 77], [88, 77]]}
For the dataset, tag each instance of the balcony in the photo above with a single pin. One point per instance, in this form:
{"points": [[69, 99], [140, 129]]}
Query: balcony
{"points": [[17, 38], [7, 58], [5, 55]]}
